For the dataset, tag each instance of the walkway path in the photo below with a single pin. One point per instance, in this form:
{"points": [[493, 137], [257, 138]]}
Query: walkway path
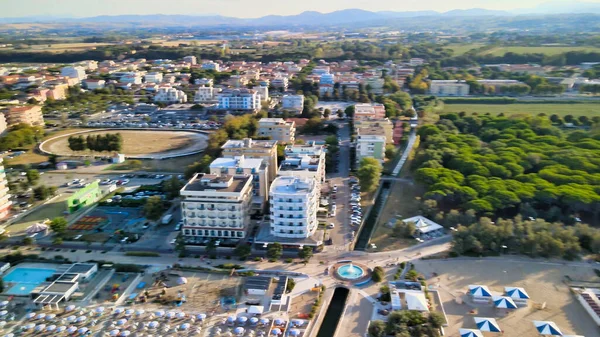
{"points": [[409, 147]]}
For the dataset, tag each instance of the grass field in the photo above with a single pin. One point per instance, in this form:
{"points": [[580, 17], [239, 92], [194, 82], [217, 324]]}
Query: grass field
{"points": [[548, 50], [134, 142], [49, 211], [588, 109]]}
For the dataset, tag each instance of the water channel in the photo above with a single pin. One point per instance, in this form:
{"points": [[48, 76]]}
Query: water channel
{"points": [[333, 313]]}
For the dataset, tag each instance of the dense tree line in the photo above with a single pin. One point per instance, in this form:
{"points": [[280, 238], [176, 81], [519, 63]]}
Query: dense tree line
{"points": [[533, 237], [21, 135], [502, 167], [408, 323], [99, 143]]}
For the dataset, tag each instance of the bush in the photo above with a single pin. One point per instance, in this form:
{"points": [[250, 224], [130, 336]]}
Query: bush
{"points": [[289, 260], [257, 259], [127, 268], [143, 254], [290, 285], [229, 266], [88, 251], [378, 274]]}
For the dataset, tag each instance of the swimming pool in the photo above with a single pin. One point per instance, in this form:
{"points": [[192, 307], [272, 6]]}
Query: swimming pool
{"points": [[24, 280]]}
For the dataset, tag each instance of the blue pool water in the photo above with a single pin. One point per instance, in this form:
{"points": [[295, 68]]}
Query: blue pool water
{"points": [[24, 280], [351, 272]]}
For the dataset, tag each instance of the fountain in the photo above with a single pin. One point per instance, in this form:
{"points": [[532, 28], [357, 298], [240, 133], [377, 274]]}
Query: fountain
{"points": [[350, 272]]}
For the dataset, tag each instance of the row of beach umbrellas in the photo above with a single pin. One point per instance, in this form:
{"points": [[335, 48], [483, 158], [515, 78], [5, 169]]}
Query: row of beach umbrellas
{"points": [[487, 324]]}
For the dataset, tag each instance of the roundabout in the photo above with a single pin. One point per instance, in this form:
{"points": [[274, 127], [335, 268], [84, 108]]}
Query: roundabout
{"points": [[351, 272], [137, 144]]}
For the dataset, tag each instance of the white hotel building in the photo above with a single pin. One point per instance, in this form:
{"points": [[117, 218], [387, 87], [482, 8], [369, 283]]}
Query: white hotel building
{"points": [[239, 99], [216, 207], [5, 201], [294, 203]]}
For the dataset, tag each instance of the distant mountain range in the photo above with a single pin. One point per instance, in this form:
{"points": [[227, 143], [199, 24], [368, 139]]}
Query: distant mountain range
{"points": [[310, 18]]}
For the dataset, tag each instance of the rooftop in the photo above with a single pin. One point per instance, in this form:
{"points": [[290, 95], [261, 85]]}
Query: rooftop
{"points": [[249, 143], [214, 183], [241, 162], [279, 121], [292, 185]]}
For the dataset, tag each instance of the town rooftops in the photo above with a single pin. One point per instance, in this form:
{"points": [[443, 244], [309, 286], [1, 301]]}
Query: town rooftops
{"points": [[238, 161], [215, 183]]}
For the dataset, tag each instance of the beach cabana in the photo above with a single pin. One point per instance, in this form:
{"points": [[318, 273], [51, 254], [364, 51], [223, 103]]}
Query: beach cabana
{"points": [[153, 325], [519, 295], [114, 332], [504, 302], [242, 319], [253, 320], [547, 328], [470, 333], [159, 313], [51, 327], [294, 332], [3, 313], [279, 321], [239, 331], [276, 332], [184, 326], [201, 317], [70, 307], [487, 324], [180, 315], [479, 293], [264, 321]]}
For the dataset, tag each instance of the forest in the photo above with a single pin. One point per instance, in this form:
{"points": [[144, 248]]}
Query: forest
{"points": [[501, 167], [99, 143]]}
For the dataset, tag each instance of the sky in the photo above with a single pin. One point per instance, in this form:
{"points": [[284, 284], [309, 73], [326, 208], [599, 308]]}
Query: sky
{"points": [[238, 8]]}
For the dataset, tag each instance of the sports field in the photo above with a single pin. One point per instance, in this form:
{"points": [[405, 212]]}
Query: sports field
{"points": [[587, 109], [138, 143]]}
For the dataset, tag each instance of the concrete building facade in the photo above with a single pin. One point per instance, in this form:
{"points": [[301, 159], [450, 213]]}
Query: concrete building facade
{"points": [[294, 203], [277, 129]]}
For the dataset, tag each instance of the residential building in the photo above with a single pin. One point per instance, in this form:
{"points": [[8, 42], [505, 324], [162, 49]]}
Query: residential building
{"points": [[238, 99], [263, 92], [241, 165], [73, 72], [327, 78], [449, 88], [58, 92], [155, 77], [5, 201], [210, 65], [499, 83], [385, 125], [292, 102], [170, 95], [238, 81], [169, 78], [93, 84], [280, 82], [375, 84], [143, 108], [206, 82], [294, 203], [190, 60], [320, 70], [3, 125], [29, 114], [277, 129], [204, 94], [370, 143], [216, 207], [249, 148], [133, 78], [413, 62], [369, 111], [306, 161]]}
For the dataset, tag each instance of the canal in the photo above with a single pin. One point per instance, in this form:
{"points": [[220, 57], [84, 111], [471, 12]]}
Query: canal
{"points": [[333, 313], [362, 242]]}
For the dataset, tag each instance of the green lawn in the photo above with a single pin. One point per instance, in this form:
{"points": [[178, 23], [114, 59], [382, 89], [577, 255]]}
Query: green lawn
{"points": [[48, 211], [589, 109], [548, 50]]}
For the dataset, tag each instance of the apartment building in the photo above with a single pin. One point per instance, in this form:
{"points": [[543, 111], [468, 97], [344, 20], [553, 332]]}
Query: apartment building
{"points": [[5, 201], [375, 84], [263, 92], [206, 82], [294, 203], [249, 148], [292, 102], [413, 62], [306, 161], [74, 72], [370, 143], [190, 60], [255, 167], [369, 111], [154, 77], [29, 114], [277, 129], [327, 78], [385, 125], [499, 83], [215, 207], [280, 82], [58, 92], [239, 99], [3, 125], [449, 88], [210, 65], [93, 84], [170, 95], [204, 94], [133, 78]]}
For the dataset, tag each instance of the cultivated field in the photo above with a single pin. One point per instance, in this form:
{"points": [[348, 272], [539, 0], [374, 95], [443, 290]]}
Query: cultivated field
{"points": [[588, 109], [542, 280], [138, 143], [460, 49]]}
